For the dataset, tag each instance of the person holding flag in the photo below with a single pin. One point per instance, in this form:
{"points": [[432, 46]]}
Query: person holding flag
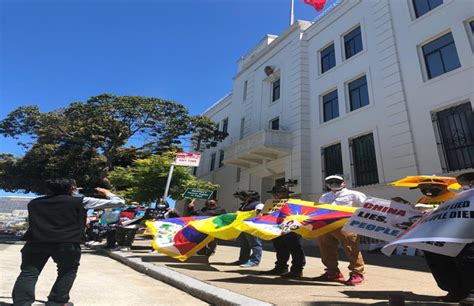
{"points": [[328, 243]]}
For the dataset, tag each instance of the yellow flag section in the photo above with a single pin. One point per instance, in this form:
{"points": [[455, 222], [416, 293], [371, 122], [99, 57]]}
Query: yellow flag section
{"points": [[176, 238], [223, 226], [301, 217]]}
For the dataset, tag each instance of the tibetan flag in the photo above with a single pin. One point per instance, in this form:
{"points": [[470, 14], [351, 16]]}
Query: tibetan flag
{"points": [[176, 238], [317, 4], [301, 217], [223, 226]]}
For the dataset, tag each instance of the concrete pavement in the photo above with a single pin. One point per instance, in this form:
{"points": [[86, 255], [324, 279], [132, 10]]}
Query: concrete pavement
{"points": [[100, 281], [385, 277]]}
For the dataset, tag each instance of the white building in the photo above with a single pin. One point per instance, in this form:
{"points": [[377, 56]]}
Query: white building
{"points": [[374, 90]]}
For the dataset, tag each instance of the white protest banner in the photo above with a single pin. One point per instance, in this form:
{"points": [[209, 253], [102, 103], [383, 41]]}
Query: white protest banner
{"points": [[444, 230], [381, 219], [187, 159]]}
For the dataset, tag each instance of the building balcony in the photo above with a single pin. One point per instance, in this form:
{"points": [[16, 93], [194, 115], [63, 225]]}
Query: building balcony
{"points": [[258, 148]]}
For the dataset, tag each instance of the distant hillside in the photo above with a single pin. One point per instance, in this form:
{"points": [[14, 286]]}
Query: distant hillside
{"points": [[8, 204]]}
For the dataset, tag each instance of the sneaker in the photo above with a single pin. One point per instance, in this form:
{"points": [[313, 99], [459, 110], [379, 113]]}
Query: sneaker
{"points": [[329, 277], [468, 300], [124, 249], [292, 274], [354, 279], [249, 264], [275, 271]]}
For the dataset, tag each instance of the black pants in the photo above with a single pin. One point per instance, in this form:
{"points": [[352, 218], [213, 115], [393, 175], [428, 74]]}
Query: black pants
{"points": [[453, 274], [286, 245], [34, 257]]}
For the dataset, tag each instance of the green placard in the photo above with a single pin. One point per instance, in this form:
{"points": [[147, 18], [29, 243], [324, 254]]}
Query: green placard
{"points": [[197, 194]]}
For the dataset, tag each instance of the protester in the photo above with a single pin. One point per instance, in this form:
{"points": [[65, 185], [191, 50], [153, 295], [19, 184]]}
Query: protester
{"points": [[56, 229], [328, 243], [435, 192], [250, 246], [210, 209], [286, 245], [455, 274]]}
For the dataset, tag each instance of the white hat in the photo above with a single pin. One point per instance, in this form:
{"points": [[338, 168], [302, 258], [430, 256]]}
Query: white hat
{"points": [[334, 177]]}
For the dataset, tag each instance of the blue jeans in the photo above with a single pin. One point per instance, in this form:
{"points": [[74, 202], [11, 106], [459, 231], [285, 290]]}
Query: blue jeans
{"points": [[250, 248]]}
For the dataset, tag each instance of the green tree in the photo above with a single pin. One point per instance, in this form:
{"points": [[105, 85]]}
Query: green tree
{"points": [[86, 140], [145, 180]]}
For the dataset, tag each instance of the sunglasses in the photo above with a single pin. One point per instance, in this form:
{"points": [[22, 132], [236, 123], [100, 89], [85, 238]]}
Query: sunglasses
{"points": [[334, 182]]}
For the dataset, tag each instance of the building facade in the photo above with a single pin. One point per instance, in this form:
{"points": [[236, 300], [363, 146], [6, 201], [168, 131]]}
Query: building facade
{"points": [[373, 90]]}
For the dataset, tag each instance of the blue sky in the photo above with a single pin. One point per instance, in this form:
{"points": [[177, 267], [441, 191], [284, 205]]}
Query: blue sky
{"points": [[54, 52]]}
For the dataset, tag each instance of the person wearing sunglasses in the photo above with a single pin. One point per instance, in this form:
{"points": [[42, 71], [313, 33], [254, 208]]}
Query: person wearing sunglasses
{"points": [[339, 195]]}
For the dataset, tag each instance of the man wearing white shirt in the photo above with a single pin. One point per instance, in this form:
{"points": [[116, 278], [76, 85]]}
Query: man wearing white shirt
{"points": [[328, 243]]}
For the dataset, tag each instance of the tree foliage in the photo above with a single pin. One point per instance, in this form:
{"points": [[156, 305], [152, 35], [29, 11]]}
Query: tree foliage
{"points": [[145, 180], [86, 140]]}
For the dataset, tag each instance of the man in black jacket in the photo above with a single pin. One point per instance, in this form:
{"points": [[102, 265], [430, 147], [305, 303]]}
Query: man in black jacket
{"points": [[56, 229]]}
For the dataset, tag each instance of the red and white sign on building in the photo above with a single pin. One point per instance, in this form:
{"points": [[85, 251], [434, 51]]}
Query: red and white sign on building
{"points": [[187, 159]]}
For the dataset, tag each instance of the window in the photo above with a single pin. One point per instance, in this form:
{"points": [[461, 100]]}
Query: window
{"points": [[440, 56], [213, 161], [245, 89], [332, 160], [330, 106], [328, 59], [364, 161], [275, 123], [221, 158], [195, 171], [242, 127], [358, 93], [353, 42], [471, 23], [225, 125], [276, 90], [424, 6], [456, 130], [237, 175]]}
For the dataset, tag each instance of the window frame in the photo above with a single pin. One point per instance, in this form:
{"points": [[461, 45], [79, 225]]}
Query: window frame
{"points": [[344, 42], [371, 159], [321, 57], [270, 123], [323, 103], [348, 92], [427, 71], [221, 159], [225, 125], [414, 6], [273, 87], [213, 162], [324, 167]]}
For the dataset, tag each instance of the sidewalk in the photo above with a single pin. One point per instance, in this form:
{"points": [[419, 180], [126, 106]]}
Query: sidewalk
{"points": [[385, 276]]}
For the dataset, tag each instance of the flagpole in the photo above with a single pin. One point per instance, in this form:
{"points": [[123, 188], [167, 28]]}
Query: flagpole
{"points": [[292, 10]]}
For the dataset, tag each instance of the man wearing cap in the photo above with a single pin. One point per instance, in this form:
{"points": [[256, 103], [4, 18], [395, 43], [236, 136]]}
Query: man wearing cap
{"points": [[328, 243], [286, 245], [434, 193]]}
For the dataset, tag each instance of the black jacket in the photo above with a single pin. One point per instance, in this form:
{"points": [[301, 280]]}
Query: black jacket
{"points": [[207, 211], [59, 218]]}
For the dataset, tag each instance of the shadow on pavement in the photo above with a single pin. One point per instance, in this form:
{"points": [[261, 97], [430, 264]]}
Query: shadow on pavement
{"points": [[385, 295], [251, 279], [196, 267], [166, 259]]}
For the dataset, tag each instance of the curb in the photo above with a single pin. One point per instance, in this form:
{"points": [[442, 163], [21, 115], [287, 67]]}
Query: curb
{"points": [[199, 289]]}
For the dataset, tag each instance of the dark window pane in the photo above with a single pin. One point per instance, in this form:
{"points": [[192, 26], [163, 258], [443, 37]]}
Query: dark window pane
{"points": [[213, 161], [424, 6], [441, 56], [365, 162], [276, 90], [456, 127], [353, 42], [358, 93], [471, 23], [328, 59], [330, 106], [221, 158], [275, 124], [225, 125], [332, 160]]}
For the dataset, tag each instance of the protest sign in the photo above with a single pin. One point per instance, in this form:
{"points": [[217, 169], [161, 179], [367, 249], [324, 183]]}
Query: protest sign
{"points": [[444, 230], [273, 205], [382, 219]]}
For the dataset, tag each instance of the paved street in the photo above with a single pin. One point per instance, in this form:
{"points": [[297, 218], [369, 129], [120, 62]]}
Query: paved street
{"points": [[101, 281]]}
